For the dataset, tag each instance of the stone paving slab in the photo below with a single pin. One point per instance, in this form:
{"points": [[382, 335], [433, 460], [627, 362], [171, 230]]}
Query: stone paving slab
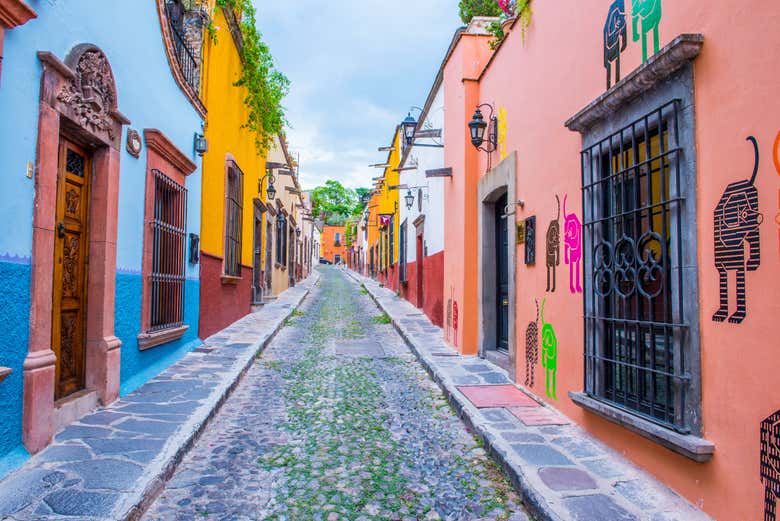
{"points": [[562, 472], [113, 462]]}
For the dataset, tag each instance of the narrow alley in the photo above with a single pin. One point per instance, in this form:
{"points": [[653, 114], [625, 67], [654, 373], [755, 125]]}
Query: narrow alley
{"points": [[337, 420]]}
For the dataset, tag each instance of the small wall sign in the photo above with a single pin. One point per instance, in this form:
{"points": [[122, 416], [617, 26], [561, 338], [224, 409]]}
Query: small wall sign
{"points": [[133, 143], [530, 240], [520, 232]]}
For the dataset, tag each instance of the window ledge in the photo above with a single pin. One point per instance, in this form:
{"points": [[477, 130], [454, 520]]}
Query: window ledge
{"points": [[692, 447], [229, 280], [157, 338], [657, 69], [4, 372]]}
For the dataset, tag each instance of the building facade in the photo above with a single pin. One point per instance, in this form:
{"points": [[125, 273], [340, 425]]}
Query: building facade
{"points": [[333, 244], [619, 205], [88, 313]]}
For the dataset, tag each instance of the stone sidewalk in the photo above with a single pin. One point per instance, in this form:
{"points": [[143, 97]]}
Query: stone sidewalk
{"points": [[113, 462], [561, 471]]}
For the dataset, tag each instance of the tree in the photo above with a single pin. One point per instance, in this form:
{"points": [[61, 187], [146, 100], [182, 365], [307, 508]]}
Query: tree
{"points": [[336, 202], [471, 8]]}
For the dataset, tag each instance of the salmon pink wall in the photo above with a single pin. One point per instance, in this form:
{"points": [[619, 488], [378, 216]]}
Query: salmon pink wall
{"points": [[546, 79]]}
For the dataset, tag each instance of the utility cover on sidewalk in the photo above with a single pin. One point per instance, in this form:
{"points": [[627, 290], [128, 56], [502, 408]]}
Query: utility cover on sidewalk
{"points": [[360, 349]]}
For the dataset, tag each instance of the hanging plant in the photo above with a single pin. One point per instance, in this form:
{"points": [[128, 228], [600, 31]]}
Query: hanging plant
{"points": [[511, 8], [266, 87]]}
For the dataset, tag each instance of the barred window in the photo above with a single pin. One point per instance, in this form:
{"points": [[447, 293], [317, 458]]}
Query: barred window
{"points": [[233, 220], [281, 240], [391, 246], [636, 334], [168, 254]]}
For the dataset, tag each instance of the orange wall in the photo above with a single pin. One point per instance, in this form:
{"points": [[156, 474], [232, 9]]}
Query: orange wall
{"points": [[328, 249], [548, 78]]}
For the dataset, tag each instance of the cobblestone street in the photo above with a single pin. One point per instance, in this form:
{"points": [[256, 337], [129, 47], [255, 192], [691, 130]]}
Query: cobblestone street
{"points": [[337, 420]]}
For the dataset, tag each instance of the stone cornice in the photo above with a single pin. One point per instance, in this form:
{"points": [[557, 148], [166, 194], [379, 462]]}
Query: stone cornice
{"points": [[658, 68], [14, 13], [159, 142]]}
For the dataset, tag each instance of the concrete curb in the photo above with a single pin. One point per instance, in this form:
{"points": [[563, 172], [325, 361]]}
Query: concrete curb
{"points": [[134, 506]]}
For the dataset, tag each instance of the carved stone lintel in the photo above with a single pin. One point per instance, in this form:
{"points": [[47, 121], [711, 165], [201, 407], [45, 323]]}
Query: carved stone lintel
{"points": [[159, 142], [658, 68]]}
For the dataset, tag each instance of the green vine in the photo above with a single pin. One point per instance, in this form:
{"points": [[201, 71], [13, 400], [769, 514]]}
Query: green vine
{"points": [[523, 12], [266, 87]]}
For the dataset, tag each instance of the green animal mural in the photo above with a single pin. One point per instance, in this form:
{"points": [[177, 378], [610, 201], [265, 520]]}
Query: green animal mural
{"points": [[549, 355], [646, 13]]}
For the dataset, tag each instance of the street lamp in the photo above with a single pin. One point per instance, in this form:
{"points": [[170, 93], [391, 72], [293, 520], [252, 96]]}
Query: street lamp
{"points": [[298, 231], [477, 127], [409, 126], [409, 197], [270, 191]]}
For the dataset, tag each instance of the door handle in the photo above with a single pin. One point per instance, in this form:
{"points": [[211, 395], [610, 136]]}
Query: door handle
{"points": [[505, 302], [60, 230]]}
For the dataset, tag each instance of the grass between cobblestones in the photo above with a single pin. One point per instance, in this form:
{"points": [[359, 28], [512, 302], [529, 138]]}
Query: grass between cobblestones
{"points": [[344, 459]]}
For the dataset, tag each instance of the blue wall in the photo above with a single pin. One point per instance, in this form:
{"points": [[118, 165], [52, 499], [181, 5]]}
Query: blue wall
{"points": [[129, 34], [14, 315]]}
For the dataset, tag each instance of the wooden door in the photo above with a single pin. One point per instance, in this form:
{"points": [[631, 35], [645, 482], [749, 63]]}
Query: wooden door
{"points": [[420, 253], [502, 274], [71, 242], [257, 264]]}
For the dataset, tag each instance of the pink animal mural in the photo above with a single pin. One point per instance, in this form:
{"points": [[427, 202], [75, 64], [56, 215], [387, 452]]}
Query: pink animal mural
{"points": [[572, 236]]}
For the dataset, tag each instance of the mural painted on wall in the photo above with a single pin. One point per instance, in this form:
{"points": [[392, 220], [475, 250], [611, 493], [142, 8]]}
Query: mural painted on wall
{"points": [[549, 356], [737, 221], [770, 464], [530, 240], [615, 38], [502, 149], [531, 348], [553, 247], [572, 251], [776, 159], [646, 17]]}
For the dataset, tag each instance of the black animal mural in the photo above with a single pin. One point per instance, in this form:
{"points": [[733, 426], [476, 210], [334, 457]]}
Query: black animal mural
{"points": [[615, 38], [770, 464], [531, 348], [530, 240], [553, 250], [737, 221]]}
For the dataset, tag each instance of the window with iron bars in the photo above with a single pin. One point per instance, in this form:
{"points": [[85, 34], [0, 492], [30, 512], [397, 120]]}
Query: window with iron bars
{"points": [[636, 334], [402, 253], [281, 240], [234, 191], [168, 254], [391, 245], [186, 19]]}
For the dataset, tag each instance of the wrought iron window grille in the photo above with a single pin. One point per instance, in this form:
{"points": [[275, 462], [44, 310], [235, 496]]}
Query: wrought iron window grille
{"points": [[168, 254], [186, 20], [233, 220], [636, 334]]}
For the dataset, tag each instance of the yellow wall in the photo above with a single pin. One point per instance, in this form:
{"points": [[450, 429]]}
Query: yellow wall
{"points": [[388, 199], [227, 139]]}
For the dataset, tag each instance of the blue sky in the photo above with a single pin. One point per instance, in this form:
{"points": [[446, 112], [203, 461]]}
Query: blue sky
{"points": [[356, 68]]}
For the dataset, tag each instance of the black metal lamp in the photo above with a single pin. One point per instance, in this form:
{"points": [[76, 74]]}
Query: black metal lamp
{"points": [[270, 192], [298, 231], [409, 126], [409, 198], [477, 127], [201, 144]]}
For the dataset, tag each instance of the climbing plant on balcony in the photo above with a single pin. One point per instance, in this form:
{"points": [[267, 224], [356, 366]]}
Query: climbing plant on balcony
{"points": [[266, 86], [510, 9]]}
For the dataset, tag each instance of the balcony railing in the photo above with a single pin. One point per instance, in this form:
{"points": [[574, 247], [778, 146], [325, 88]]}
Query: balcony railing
{"points": [[182, 15]]}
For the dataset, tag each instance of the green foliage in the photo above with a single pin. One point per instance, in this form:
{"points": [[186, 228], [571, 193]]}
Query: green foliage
{"points": [[523, 12], [471, 8], [266, 86], [337, 202]]}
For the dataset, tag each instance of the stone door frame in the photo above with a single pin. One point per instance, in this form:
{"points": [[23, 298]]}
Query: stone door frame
{"points": [[497, 182], [78, 100]]}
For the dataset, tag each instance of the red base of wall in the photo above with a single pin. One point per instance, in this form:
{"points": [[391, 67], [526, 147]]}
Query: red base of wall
{"points": [[433, 286], [221, 304]]}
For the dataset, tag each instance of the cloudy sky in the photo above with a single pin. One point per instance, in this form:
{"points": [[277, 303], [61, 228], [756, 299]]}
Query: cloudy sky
{"points": [[356, 67]]}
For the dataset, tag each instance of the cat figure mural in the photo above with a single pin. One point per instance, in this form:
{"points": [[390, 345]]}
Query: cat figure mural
{"points": [[549, 356], [737, 221], [553, 250], [770, 464], [615, 38], [646, 17], [572, 252], [531, 348]]}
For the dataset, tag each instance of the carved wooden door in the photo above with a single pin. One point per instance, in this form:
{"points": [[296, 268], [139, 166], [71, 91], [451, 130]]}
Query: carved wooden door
{"points": [[69, 307]]}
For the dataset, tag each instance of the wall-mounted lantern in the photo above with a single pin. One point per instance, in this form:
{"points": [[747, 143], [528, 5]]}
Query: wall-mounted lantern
{"points": [[477, 127], [298, 231], [201, 144], [194, 248], [409, 198], [409, 126], [270, 192]]}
